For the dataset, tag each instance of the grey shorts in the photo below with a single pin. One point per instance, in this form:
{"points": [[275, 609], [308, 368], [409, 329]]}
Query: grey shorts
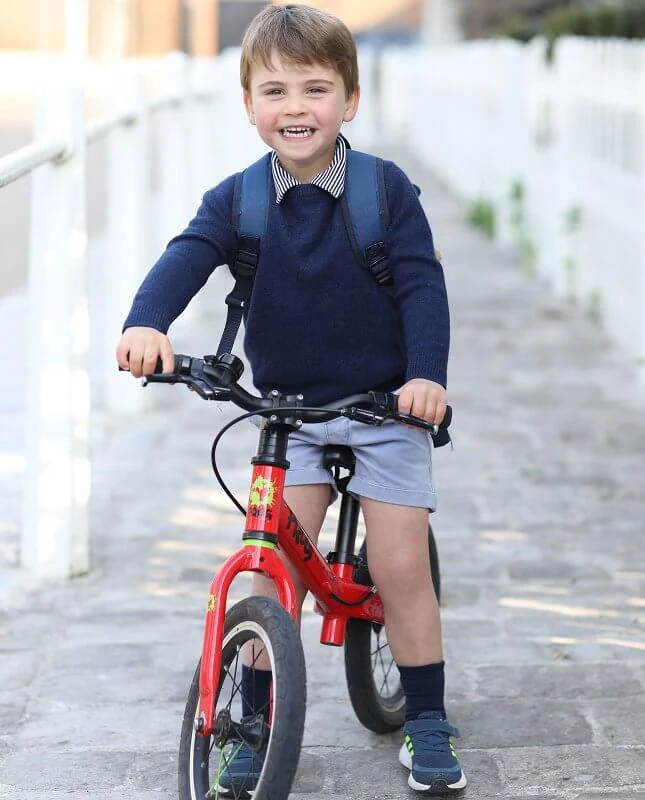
{"points": [[393, 462]]}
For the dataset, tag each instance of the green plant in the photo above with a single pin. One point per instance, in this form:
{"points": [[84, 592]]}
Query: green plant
{"points": [[528, 254], [572, 223], [525, 245], [517, 203], [594, 305], [572, 219], [481, 214], [519, 28], [606, 20]]}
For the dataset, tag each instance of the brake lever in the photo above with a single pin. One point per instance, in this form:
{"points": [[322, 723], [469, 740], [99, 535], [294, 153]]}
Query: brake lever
{"points": [[208, 392], [363, 415], [202, 388], [432, 427], [160, 378]]}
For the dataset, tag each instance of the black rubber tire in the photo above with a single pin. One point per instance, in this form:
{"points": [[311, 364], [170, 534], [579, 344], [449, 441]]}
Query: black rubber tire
{"points": [[372, 677], [252, 618]]}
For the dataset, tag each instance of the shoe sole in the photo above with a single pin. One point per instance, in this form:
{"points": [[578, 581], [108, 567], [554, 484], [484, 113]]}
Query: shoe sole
{"points": [[438, 786]]}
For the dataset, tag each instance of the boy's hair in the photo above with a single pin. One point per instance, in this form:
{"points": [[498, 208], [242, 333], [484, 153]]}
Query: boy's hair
{"points": [[301, 35]]}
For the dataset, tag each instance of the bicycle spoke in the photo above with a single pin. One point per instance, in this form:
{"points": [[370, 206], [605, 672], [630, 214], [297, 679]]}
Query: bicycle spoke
{"points": [[378, 658]]}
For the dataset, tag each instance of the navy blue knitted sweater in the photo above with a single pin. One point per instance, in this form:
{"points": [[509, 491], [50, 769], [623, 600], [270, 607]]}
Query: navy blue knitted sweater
{"points": [[317, 323]]}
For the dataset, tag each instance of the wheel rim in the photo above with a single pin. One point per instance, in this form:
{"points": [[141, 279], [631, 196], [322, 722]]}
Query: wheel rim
{"points": [[385, 675], [208, 761]]}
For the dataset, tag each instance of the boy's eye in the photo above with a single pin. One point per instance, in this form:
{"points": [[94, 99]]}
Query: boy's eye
{"points": [[273, 91], [317, 90]]}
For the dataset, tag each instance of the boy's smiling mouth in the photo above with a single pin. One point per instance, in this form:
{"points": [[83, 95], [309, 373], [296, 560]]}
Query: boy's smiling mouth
{"points": [[297, 132]]}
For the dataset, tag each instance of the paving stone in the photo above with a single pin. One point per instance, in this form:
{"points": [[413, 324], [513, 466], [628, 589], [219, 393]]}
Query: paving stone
{"points": [[620, 720], [629, 794], [562, 680], [522, 722], [153, 771], [100, 656], [117, 727], [81, 771], [572, 769]]}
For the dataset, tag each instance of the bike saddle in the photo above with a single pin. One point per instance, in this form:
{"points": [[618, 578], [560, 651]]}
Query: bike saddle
{"points": [[339, 455]]}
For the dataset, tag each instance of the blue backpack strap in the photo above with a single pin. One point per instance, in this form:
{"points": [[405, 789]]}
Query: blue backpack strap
{"points": [[249, 214], [364, 207], [251, 197]]}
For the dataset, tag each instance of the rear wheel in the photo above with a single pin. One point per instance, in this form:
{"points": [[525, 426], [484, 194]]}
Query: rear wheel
{"points": [[275, 729], [372, 676]]}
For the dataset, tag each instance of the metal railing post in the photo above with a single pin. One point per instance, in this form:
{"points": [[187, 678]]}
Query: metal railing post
{"points": [[57, 486]]}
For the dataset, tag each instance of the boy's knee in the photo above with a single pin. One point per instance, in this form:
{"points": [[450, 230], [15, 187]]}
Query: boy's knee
{"points": [[401, 574]]}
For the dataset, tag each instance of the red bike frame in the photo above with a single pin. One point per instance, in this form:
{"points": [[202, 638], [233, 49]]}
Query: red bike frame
{"points": [[338, 596]]}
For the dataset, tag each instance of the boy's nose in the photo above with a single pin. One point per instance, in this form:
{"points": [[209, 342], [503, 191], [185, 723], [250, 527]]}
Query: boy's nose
{"points": [[294, 106]]}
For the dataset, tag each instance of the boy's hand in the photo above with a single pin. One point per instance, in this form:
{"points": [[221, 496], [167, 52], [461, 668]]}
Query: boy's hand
{"points": [[423, 398], [140, 348]]}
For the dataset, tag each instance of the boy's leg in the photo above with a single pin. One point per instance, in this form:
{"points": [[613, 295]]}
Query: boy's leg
{"points": [[397, 553]]}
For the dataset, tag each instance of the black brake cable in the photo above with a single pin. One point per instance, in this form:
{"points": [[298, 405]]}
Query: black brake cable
{"points": [[216, 471], [263, 412]]}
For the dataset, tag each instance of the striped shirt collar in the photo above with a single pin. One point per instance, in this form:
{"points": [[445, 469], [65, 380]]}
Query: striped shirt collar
{"points": [[332, 179]]}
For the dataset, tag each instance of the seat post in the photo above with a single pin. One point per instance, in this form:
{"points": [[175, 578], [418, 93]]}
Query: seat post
{"points": [[346, 529]]}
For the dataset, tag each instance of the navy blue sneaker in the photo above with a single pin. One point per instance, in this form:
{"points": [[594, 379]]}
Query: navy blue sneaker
{"points": [[428, 752], [239, 771]]}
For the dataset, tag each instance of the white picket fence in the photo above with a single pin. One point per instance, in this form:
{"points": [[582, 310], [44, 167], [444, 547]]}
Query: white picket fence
{"points": [[557, 150]]}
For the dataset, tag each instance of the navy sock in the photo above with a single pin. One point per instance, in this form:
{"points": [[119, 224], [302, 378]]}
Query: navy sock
{"points": [[256, 691], [424, 689]]}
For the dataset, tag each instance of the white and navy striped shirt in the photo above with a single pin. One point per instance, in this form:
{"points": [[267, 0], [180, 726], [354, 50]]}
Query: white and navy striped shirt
{"points": [[332, 179]]}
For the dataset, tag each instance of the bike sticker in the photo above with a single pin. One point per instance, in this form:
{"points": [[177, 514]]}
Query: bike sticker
{"points": [[262, 492]]}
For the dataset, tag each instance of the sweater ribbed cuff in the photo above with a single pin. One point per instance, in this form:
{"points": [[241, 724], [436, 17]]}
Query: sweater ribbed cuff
{"points": [[429, 368], [148, 318]]}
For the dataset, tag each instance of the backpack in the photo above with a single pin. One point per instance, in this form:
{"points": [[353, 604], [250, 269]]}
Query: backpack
{"points": [[365, 214]]}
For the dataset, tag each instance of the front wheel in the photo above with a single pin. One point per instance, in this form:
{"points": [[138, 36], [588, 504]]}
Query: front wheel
{"points": [[272, 733], [373, 680]]}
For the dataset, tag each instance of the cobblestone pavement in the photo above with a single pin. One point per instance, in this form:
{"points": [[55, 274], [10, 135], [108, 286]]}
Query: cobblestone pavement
{"points": [[540, 530]]}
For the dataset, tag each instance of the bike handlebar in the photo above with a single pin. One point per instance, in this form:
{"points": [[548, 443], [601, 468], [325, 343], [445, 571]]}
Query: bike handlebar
{"points": [[216, 378]]}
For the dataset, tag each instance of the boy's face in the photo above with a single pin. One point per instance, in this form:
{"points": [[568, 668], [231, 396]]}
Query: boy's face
{"points": [[298, 111]]}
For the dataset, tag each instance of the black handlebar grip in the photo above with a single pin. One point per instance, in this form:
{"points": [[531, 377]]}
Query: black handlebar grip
{"points": [[447, 419], [445, 422]]}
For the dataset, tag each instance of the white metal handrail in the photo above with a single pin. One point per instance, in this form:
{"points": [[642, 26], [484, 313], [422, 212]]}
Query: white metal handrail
{"points": [[101, 126], [23, 161]]}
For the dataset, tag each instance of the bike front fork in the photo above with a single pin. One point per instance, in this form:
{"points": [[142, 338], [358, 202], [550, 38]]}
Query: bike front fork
{"points": [[254, 558]]}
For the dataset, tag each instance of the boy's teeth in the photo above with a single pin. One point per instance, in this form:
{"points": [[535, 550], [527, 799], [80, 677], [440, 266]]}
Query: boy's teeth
{"points": [[296, 131]]}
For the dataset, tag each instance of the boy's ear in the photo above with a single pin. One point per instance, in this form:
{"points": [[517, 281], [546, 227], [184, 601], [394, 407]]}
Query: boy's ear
{"points": [[351, 105], [248, 105]]}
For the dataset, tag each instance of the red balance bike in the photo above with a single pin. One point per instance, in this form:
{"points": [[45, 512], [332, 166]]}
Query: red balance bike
{"points": [[216, 725]]}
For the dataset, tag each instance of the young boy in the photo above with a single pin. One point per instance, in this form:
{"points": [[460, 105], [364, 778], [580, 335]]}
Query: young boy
{"points": [[319, 324]]}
